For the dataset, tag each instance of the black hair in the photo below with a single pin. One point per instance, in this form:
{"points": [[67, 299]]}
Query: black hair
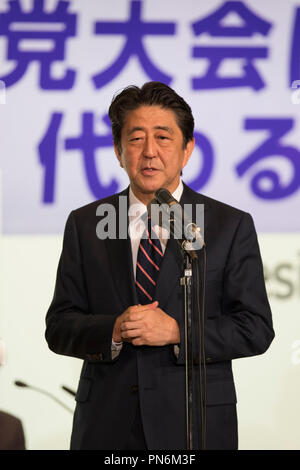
{"points": [[150, 94]]}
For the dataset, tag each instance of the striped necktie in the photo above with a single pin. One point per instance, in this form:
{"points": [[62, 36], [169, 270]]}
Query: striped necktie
{"points": [[149, 257]]}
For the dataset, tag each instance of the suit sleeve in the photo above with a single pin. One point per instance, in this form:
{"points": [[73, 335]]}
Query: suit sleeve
{"points": [[242, 325], [70, 327]]}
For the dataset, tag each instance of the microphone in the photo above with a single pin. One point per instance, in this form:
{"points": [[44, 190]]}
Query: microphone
{"points": [[175, 219], [22, 384], [67, 389]]}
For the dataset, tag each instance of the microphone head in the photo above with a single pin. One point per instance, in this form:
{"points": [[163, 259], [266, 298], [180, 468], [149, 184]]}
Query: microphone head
{"points": [[67, 389], [163, 196], [19, 383], [162, 191]]}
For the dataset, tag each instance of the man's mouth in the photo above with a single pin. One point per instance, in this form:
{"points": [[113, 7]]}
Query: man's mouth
{"points": [[149, 171]]}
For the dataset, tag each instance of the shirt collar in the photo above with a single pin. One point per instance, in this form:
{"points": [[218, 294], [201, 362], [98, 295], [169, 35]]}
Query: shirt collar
{"points": [[140, 208]]}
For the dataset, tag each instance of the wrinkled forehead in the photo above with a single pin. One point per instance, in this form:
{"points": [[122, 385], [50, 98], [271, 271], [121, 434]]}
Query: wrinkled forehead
{"points": [[150, 117]]}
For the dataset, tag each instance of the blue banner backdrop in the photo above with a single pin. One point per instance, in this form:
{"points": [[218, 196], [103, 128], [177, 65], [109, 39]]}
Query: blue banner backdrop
{"points": [[236, 62]]}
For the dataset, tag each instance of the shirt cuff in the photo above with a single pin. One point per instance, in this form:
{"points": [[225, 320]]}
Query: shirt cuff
{"points": [[115, 348]]}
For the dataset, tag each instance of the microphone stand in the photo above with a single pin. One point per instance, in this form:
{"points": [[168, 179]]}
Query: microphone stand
{"points": [[189, 256], [187, 282]]}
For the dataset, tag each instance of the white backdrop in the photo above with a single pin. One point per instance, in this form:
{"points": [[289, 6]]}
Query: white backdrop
{"points": [[267, 386]]}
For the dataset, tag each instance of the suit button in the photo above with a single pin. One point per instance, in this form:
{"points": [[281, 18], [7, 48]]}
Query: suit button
{"points": [[134, 388]]}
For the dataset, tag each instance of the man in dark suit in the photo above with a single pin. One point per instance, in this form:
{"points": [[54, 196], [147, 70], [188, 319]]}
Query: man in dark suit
{"points": [[131, 393]]}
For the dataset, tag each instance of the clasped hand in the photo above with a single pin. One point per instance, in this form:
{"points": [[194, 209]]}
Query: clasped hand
{"points": [[146, 325]]}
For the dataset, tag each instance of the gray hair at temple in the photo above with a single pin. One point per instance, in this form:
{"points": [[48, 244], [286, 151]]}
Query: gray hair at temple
{"points": [[150, 94]]}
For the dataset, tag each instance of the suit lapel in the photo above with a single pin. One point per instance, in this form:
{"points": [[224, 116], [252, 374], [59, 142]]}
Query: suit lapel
{"points": [[189, 197], [120, 258]]}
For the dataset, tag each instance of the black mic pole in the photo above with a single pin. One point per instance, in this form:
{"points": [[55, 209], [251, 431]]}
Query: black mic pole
{"points": [[19, 383], [186, 281]]}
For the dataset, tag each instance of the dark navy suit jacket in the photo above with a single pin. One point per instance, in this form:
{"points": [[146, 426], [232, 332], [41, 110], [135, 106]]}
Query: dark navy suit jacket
{"points": [[95, 284]]}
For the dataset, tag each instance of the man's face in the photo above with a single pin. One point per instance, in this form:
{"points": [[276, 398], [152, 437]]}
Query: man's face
{"points": [[152, 151]]}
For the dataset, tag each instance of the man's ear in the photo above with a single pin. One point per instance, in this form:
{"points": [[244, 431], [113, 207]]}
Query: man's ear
{"points": [[188, 151], [118, 154]]}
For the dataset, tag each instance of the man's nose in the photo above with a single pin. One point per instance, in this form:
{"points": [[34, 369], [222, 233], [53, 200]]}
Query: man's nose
{"points": [[149, 148]]}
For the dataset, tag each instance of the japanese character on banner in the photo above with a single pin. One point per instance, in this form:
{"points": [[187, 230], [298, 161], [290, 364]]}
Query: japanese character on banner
{"points": [[26, 28], [268, 183], [134, 30], [87, 142], [214, 26]]}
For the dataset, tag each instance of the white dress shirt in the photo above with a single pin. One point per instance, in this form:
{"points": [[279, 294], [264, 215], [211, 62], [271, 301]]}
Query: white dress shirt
{"points": [[137, 225]]}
